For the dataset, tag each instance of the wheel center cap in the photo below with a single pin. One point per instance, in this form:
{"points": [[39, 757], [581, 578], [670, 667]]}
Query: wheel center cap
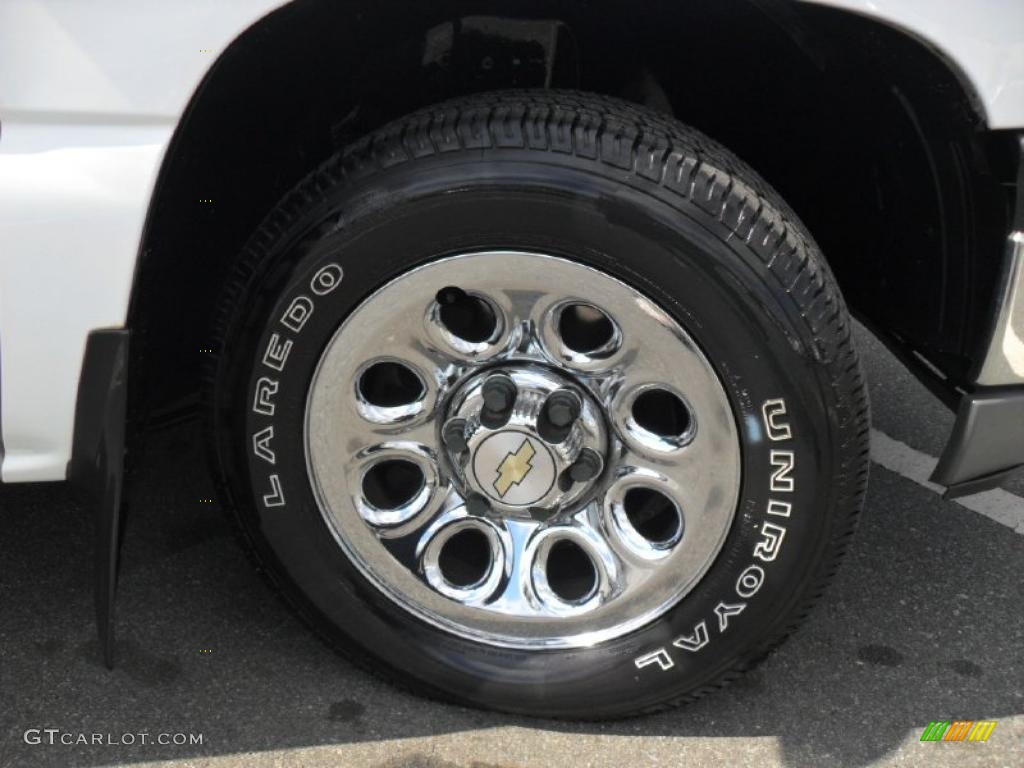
{"points": [[524, 441], [514, 468]]}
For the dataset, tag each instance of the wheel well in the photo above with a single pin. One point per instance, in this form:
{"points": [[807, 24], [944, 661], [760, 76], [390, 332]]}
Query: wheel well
{"points": [[871, 136]]}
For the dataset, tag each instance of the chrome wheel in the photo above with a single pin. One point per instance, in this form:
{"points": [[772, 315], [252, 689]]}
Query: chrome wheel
{"points": [[522, 450]]}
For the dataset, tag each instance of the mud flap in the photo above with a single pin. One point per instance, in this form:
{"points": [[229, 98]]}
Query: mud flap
{"points": [[96, 468], [987, 443]]}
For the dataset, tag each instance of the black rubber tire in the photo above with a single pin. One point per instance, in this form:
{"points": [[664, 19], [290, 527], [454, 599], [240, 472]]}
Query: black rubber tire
{"points": [[657, 205]]}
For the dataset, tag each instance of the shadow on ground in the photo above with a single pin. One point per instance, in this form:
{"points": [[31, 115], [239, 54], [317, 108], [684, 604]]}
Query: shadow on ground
{"points": [[922, 623]]}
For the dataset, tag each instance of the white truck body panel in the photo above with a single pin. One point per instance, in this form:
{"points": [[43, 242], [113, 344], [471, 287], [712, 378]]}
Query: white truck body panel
{"points": [[90, 95]]}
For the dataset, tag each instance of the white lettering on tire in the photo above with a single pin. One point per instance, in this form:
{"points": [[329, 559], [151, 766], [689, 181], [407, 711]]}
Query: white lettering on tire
{"points": [[298, 312], [773, 411], [276, 496], [773, 535], [261, 444], [695, 640], [766, 550], [275, 356], [263, 400], [277, 352], [724, 610], [326, 279], [782, 481], [750, 581], [659, 657]]}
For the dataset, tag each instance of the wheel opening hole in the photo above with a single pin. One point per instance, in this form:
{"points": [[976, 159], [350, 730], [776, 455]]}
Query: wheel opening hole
{"points": [[392, 483], [466, 316], [465, 558], [653, 515], [388, 384], [585, 328], [570, 571], [662, 413]]}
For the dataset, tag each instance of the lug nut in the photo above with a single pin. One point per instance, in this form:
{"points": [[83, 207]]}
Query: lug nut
{"points": [[587, 466], [560, 411], [562, 408], [499, 393], [454, 435]]}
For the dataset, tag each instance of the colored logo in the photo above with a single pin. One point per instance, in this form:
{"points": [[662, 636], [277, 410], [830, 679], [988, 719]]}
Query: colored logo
{"points": [[958, 730], [515, 467]]}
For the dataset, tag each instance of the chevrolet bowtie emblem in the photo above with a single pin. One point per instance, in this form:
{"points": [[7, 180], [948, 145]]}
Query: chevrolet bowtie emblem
{"points": [[515, 467]]}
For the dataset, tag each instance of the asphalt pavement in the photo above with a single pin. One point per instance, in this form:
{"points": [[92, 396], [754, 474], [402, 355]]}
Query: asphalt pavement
{"points": [[923, 622]]}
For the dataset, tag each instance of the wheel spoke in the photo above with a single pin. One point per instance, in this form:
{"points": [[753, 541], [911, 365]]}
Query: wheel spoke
{"points": [[517, 595]]}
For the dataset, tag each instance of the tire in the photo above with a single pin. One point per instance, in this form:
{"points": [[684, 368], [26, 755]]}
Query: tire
{"points": [[571, 191]]}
